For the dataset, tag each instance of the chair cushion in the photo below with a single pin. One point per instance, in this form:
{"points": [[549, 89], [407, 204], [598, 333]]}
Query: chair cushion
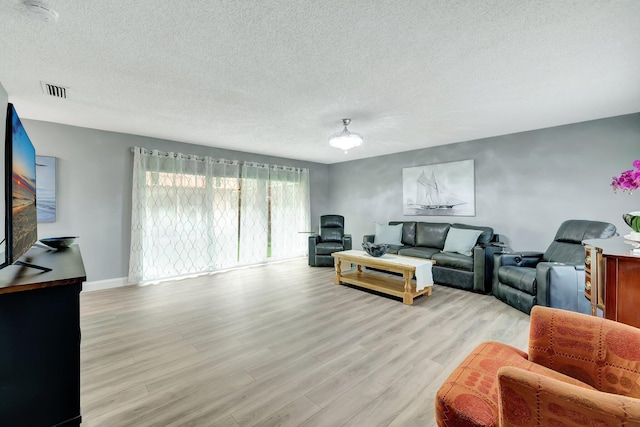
{"points": [[328, 234], [567, 244], [389, 234], [577, 230], [393, 249], [418, 252], [332, 221], [431, 234], [530, 399], [327, 248], [569, 253], [453, 260], [469, 397], [461, 240], [408, 232], [521, 278]]}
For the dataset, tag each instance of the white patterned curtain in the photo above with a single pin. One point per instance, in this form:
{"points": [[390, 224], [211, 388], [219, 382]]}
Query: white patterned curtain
{"points": [[254, 214], [184, 216], [290, 211]]}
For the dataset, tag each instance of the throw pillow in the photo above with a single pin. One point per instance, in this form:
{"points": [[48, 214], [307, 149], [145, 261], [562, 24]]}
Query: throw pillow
{"points": [[461, 240], [389, 234]]}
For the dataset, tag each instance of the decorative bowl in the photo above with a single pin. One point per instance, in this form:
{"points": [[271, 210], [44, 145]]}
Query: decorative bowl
{"points": [[375, 250], [58, 242]]}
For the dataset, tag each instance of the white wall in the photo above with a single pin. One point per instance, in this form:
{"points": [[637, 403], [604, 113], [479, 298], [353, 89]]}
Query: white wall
{"points": [[4, 100], [94, 188], [526, 183]]}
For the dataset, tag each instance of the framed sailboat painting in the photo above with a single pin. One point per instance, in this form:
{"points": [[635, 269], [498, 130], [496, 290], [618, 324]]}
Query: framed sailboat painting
{"points": [[442, 189], [46, 188]]}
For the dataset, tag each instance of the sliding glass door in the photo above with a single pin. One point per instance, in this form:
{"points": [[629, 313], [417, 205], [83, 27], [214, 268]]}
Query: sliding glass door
{"points": [[193, 215]]}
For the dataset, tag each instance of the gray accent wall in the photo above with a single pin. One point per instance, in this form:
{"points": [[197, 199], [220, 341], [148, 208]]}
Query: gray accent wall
{"points": [[94, 181], [526, 184]]}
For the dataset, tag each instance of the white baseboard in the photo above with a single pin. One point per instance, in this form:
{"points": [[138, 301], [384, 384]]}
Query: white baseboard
{"points": [[117, 282], [105, 284]]}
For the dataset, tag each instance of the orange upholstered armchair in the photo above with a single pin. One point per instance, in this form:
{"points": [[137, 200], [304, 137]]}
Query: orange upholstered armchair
{"points": [[579, 370]]}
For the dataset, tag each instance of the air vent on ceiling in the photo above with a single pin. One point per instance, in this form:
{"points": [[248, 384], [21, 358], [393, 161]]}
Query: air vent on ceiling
{"points": [[54, 90]]}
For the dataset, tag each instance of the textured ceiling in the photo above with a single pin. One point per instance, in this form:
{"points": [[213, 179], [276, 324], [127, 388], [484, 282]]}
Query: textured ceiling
{"points": [[275, 77]]}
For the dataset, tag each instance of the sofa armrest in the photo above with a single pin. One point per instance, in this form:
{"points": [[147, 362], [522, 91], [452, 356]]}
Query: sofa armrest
{"points": [[560, 286], [519, 259], [495, 241], [346, 242], [368, 238], [483, 265], [499, 244], [541, 400]]}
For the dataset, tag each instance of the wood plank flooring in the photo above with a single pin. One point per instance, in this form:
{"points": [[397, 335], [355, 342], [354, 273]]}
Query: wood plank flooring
{"points": [[276, 345]]}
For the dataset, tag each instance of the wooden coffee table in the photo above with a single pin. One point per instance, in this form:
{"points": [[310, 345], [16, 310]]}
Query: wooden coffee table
{"points": [[406, 288]]}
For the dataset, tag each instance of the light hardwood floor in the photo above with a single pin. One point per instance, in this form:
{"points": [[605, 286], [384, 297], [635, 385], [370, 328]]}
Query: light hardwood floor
{"points": [[276, 345]]}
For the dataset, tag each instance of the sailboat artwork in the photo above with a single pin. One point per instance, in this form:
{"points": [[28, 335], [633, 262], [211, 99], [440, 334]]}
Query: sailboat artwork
{"points": [[46, 188], [440, 189]]}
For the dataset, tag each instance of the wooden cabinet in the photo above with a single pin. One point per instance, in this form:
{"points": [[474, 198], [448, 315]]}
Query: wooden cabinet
{"points": [[593, 269], [40, 340], [612, 279]]}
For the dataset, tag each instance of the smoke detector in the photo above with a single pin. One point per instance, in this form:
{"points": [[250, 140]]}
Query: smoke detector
{"points": [[44, 11]]}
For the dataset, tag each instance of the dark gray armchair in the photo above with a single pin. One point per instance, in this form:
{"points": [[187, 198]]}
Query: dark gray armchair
{"points": [[554, 278], [331, 239]]}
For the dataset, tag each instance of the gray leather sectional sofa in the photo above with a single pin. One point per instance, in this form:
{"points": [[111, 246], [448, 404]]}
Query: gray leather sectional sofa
{"points": [[427, 240]]}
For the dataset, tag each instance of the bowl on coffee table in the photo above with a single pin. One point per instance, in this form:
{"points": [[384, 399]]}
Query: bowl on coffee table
{"points": [[375, 249]]}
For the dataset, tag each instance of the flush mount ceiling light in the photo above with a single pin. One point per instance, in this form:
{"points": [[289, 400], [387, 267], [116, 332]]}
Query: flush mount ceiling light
{"points": [[345, 140], [44, 11]]}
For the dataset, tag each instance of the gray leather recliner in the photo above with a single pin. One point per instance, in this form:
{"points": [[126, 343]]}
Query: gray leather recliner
{"points": [[554, 278], [331, 239]]}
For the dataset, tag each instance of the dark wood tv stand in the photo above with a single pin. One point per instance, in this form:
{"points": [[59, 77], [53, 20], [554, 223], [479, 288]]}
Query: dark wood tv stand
{"points": [[612, 279], [40, 340]]}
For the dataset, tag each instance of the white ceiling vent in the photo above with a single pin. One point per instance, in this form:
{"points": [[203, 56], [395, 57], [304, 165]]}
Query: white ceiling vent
{"points": [[54, 90]]}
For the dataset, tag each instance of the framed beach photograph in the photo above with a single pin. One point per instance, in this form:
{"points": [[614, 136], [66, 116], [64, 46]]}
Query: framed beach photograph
{"points": [[46, 188], [446, 189]]}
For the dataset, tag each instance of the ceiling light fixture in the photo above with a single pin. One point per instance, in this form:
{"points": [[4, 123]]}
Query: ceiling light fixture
{"points": [[345, 140], [44, 12]]}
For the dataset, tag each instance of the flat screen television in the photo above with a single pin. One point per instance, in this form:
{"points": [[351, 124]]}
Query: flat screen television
{"points": [[21, 224]]}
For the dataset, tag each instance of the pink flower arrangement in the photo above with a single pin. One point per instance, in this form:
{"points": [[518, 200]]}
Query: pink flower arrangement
{"points": [[628, 180]]}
